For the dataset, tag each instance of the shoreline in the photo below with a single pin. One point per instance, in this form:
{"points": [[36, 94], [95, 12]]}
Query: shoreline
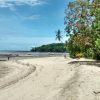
{"points": [[28, 55]]}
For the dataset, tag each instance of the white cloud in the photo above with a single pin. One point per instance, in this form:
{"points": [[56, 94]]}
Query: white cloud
{"points": [[32, 17], [12, 3]]}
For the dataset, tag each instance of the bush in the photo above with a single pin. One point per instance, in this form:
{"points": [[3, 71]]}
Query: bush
{"points": [[89, 53], [79, 55], [97, 49]]}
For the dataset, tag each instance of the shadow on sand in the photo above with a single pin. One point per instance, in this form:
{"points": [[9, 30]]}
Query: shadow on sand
{"points": [[3, 60], [96, 63]]}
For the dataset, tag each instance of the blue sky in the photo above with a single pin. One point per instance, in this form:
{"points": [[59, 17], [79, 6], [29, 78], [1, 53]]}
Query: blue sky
{"points": [[28, 23]]}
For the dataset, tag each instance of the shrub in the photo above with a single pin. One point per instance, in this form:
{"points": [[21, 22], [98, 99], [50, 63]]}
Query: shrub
{"points": [[89, 53], [79, 55], [97, 49]]}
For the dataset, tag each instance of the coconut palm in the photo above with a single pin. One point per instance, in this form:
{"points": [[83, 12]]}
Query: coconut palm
{"points": [[58, 35]]}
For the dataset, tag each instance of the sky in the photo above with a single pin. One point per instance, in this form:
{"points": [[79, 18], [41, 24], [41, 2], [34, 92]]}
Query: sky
{"points": [[28, 23]]}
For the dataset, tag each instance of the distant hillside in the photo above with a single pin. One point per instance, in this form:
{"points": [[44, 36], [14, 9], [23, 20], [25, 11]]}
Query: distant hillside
{"points": [[54, 47]]}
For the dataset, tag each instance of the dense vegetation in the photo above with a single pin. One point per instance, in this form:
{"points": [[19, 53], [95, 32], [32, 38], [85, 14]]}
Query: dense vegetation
{"points": [[55, 47], [82, 23]]}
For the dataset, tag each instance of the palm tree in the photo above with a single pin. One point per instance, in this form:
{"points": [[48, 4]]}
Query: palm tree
{"points": [[58, 35]]}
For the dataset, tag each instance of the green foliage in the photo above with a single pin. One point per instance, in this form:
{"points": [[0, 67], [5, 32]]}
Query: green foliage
{"points": [[77, 18], [89, 53], [82, 22], [58, 35], [79, 55], [97, 43], [97, 49], [95, 11], [55, 47]]}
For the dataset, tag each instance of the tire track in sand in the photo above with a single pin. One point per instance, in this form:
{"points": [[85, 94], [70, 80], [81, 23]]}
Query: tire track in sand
{"points": [[25, 70]]}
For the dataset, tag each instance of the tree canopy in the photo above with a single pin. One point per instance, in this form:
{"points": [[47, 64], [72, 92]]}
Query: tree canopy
{"points": [[58, 35], [82, 21], [54, 47]]}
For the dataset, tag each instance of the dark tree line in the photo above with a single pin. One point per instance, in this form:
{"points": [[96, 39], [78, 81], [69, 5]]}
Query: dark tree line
{"points": [[55, 47]]}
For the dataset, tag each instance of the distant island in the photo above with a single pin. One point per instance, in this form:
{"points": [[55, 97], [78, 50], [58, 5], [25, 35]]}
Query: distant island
{"points": [[54, 47]]}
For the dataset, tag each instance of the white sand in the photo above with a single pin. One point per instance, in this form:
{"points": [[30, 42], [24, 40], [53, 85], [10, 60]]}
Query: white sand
{"points": [[50, 78]]}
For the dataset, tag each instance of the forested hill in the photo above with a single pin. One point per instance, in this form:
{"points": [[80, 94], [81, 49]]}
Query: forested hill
{"points": [[54, 47]]}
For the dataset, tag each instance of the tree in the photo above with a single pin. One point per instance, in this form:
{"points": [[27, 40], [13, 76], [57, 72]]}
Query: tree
{"points": [[95, 12], [54, 47], [58, 35], [78, 23], [82, 22], [77, 19]]}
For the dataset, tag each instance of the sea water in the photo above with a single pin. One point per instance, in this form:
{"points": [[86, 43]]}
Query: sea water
{"points": [[27, 54]]}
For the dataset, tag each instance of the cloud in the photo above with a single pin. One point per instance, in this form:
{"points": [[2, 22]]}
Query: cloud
{"points": [[12, 3], [32, 17]]}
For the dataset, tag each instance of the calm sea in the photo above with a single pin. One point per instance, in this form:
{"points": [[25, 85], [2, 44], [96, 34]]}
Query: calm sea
{"points": [[27, 54]]}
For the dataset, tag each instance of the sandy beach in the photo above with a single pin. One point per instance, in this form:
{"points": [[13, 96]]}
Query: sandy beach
{"points": [[50, 78]]}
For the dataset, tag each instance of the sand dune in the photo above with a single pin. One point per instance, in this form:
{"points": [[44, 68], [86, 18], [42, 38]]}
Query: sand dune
{"points": [[51, 78]]}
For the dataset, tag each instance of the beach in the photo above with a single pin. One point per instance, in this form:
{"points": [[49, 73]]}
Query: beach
{"points": [[50, 78], [17, 55]]}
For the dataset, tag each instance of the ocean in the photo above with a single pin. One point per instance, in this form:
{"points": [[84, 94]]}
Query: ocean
{"points": [[14, 55]]}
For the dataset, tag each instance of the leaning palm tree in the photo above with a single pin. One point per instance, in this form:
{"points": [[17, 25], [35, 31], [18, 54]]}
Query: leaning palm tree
{"points": [[58, 35]]}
